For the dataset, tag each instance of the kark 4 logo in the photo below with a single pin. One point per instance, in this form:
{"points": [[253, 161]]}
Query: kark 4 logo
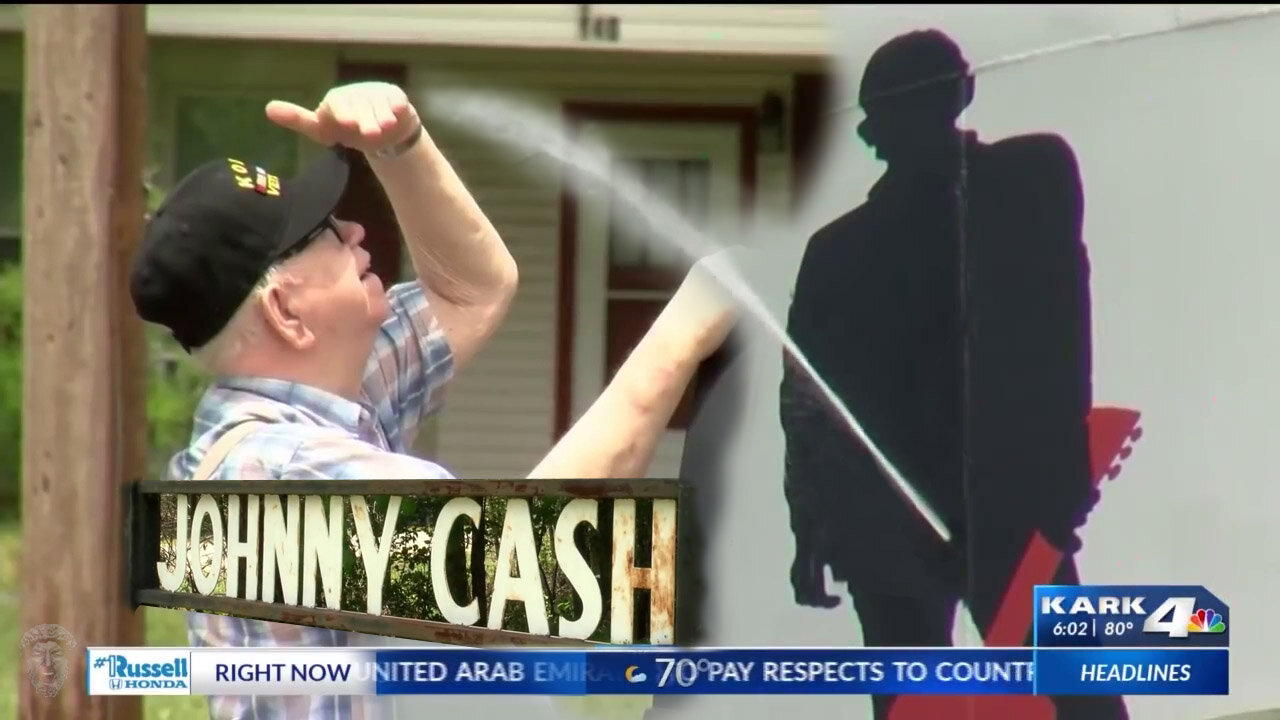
{"points": [[1176, 617]]}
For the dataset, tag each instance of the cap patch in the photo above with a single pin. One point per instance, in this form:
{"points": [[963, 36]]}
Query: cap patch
{"points": [[266, 183], [240, 173], [259, 180]]}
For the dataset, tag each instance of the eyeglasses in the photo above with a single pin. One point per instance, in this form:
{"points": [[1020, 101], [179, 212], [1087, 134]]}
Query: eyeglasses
{"points": [[329, 223]]}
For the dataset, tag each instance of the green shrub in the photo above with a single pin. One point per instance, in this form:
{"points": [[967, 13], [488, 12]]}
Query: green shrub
{"points": [[10, 388], [174, 386]]}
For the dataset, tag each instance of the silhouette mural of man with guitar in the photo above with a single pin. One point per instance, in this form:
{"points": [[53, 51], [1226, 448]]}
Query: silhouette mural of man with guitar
{"points": [[950, 312]]}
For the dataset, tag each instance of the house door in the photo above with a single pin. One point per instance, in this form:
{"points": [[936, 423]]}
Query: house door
{"points": [[628, 264]]}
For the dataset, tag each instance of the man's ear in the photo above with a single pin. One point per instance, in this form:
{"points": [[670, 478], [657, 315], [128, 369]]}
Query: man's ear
{"points": [[280, 310]]}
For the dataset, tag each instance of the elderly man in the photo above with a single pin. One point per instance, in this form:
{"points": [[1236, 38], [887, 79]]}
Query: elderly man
{"points": [[323, 374]]}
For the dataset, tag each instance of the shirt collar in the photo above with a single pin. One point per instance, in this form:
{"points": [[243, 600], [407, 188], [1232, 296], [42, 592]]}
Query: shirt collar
{"points": [[323, 406]]}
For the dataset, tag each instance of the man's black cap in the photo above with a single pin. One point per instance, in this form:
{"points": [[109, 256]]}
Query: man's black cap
{"points": [[218, 232], [918, 67]]}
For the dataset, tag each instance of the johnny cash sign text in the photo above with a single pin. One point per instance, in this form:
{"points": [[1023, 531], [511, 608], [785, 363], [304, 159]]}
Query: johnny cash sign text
{"points": [[597, 569]]}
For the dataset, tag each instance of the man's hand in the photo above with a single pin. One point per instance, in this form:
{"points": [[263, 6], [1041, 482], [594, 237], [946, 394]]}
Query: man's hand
{"points": [[808, 583], [366, 116]]}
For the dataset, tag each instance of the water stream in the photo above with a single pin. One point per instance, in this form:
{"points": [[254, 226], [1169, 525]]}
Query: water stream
{"points": [[531, 132]]}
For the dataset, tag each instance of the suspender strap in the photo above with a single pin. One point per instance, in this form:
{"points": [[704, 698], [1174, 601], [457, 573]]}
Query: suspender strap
{"points": [[222, 447]]}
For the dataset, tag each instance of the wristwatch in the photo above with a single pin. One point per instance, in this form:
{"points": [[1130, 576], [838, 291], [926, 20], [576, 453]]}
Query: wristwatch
{"points": [[401, 147]]}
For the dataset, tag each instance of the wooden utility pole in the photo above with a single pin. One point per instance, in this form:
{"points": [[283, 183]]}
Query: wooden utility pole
{"points": [[83, 414]]}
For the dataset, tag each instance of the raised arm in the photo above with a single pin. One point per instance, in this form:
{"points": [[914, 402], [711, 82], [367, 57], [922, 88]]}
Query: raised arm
{"points": [[616, 436], [466, 270]]}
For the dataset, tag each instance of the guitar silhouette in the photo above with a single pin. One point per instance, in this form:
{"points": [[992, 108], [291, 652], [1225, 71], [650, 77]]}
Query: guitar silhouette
{"points": [[1111, 430]]}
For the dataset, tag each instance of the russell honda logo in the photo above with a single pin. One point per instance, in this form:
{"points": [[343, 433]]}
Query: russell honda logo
{"points": [[138, 671]]}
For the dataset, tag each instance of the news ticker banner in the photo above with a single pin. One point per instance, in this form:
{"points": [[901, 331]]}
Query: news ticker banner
{"points": [[1089, 640], [657, 671]]}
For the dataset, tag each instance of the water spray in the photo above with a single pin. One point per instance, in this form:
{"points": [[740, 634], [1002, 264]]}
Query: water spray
{"points": [[531, 133]]}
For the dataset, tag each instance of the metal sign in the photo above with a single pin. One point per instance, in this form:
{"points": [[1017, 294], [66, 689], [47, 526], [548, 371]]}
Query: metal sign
{"points": [[534, 563]]}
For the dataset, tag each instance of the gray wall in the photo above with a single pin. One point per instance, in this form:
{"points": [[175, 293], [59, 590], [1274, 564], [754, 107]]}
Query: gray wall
{"points": [[1177, 138]]}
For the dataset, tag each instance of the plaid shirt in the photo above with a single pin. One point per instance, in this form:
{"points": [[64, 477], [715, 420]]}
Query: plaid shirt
{"points": [[316, 435]]}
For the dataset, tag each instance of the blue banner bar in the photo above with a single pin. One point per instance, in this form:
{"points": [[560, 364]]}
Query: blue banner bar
{"points": [[1131, 672], [851, 671]]}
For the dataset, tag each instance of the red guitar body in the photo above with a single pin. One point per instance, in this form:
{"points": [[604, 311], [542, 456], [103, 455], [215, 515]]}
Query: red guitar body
{"points": [[1110, 432]]}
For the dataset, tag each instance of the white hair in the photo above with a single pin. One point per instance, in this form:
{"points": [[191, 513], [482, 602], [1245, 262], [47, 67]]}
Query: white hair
{"points": [[213, 356]]}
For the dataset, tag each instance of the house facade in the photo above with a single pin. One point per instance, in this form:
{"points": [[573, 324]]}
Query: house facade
{"points": [[713, 107]]}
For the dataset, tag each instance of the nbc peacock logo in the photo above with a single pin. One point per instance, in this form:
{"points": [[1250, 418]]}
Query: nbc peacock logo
{"points": [[1206, 621]]}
